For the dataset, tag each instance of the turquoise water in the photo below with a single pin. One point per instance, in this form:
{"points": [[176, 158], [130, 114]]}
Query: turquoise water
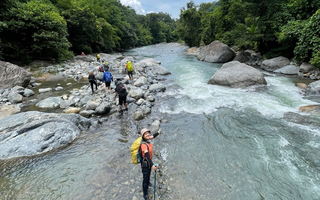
{"points": [[225, 143], [217, 143]]}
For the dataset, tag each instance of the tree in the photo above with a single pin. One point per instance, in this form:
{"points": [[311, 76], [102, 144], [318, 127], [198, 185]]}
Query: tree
{"points": [[35, 30]]}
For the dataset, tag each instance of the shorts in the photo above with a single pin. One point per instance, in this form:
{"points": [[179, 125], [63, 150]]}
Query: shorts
{"points": [[122, 100], [108, 84]]}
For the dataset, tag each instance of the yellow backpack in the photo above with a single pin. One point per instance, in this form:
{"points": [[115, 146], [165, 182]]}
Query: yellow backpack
{"points": [[130, 66], [98, 56], [136, 154]]}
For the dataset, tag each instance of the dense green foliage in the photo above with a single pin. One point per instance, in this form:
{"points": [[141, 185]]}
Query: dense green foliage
{"points": [[273, 27], [57, 29]]}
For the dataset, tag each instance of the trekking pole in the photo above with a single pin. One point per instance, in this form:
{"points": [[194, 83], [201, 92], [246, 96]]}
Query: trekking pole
{"points": [[155, 181]]}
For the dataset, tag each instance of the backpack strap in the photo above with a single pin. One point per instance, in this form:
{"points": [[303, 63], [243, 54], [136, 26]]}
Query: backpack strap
{"points": [[141, 150]]}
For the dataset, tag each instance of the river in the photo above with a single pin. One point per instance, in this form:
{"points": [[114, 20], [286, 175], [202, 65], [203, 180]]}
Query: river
{"points": [[217, 143]]}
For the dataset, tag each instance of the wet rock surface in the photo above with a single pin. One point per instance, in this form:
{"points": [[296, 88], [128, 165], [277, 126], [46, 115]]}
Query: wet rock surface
{"points": [[32, 133], [237, 75]]}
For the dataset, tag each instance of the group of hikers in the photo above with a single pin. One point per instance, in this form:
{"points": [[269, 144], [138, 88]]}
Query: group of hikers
{"points": [[107, 77], [145, 146]]}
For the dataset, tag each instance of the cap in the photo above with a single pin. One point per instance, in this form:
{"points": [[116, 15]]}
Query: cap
{"points": [[143, 131]]}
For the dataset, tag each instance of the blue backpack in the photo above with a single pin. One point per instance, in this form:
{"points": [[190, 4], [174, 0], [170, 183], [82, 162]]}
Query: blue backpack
{"points": [[107, 76]]}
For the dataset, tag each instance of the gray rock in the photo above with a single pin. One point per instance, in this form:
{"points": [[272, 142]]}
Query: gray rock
{"points": [[12, 75], [275, 63], [28, 92], [66, 103], [43, 90], [92, 105], [59, 88], [289, 70], [242, 57], [104, 108], [85, 100], [141, 81], [237, 75], [2, 91], [18, 89], [155, 126], [32, 133], [87, 113], [15, 97], [136, 93], [157, 88], [306, 67], [150, 98], [216, 52], [158, 70], [51, 102], [99, 76], [140, 101], [138, 115], [313, 88]]}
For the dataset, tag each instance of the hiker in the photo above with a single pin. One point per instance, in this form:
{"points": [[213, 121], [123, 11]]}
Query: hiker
{"points": [[129, 67], [98, 58], [107, 78], [92, 80], [101, 69], [122, 92], [105, 65], [82, 53], [146, 165]]}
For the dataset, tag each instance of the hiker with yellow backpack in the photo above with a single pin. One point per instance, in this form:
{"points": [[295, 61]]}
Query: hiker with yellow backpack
{"points": [[141, 152], [129, 67]]}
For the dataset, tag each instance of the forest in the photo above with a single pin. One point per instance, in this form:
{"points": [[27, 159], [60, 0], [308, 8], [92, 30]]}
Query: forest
{"points": [[59, 29]]}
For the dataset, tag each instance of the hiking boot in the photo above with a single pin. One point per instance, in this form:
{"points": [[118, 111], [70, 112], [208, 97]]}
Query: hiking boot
{"points": [[146, 197]]}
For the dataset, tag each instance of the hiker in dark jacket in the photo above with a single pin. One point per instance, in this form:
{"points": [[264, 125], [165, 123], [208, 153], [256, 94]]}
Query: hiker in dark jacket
{"points": [[92, 80], [147, 164], [122, 92]]}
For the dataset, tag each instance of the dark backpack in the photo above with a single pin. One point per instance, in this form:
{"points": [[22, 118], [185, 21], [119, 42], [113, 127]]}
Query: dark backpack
{"points": [[121, 90]]}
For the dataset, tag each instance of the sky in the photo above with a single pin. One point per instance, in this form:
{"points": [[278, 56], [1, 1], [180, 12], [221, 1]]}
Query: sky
{"points": [[167, 6]]}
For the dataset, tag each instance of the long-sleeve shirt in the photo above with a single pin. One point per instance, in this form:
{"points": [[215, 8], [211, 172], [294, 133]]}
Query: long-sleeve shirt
{"points": [[91, 78]]}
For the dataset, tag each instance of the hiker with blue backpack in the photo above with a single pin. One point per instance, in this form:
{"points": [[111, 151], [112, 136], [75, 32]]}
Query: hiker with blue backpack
{"points": [[146, 163], [107, 78]]}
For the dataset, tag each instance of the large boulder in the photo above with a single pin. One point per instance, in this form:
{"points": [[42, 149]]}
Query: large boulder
{"points": [[313, 88], [289, 70], [32, 133], [237, 75], [12, 75], [306, 67], [275, 63], [216, 52]]}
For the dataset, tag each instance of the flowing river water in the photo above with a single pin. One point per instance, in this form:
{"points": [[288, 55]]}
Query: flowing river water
{"points": [[217, 143]]}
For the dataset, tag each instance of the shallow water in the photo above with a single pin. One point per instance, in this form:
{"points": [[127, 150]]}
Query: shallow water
{"points": [[217, 143], [227, 143]]}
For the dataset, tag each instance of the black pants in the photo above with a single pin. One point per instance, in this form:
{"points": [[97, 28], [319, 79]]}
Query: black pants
{"points": [[130, 74], [93, 82], [146, 171]]}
